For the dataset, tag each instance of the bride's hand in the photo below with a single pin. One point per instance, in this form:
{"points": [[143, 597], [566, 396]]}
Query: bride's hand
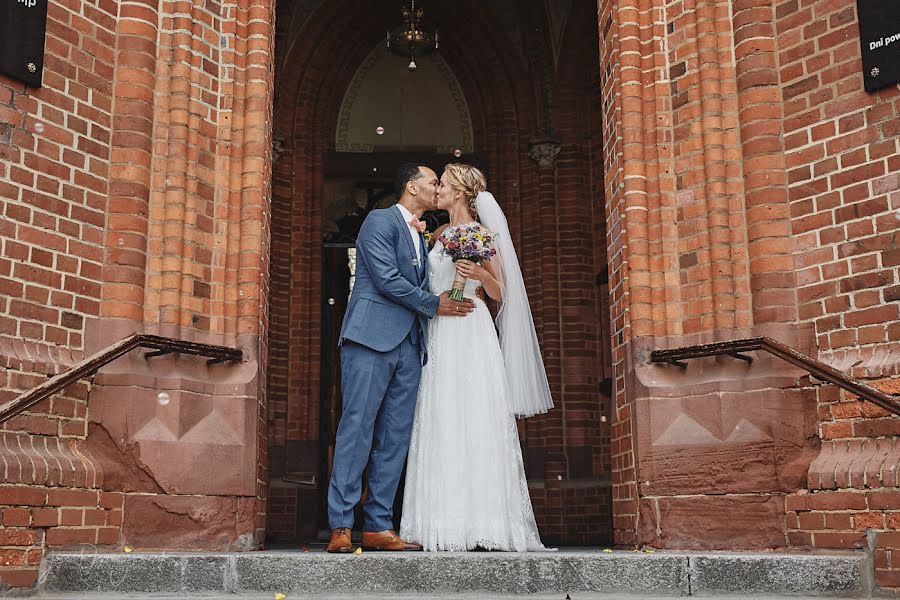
{"points": [[470, 270]]}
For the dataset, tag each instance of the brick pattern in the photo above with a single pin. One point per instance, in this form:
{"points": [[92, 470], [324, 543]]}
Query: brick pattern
{"points": [[843, 163], [54, 142], [584, 516], [27, 364], [49, 499], [843, 416], [843, 158], [854, 483], [708, 181], [741, 161], [766, 202], [131, 161], [624, 475], [302, 97], [843, 518], [153, 122], [282, 515], [747, 188]]}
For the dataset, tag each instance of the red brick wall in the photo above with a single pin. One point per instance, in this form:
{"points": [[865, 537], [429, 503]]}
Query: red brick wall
{"points": [[53, 186], [843, 176], [624, 476], [55, 150], [843, 157], [751, 189], [133, 197]]}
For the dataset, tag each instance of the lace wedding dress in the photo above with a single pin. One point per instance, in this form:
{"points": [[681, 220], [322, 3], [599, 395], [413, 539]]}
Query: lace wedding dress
{"points": [[465, 482]]}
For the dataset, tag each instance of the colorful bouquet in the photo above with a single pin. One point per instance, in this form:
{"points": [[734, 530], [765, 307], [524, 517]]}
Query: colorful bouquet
{"points": [[467, 242]]}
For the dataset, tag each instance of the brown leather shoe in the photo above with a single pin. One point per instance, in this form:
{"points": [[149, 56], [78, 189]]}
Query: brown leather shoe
{"points": [[386, 540], [340, 541]]}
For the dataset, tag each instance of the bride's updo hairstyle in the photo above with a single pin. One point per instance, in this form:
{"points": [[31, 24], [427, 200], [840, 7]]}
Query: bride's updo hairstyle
{"points": [[469, 180]]}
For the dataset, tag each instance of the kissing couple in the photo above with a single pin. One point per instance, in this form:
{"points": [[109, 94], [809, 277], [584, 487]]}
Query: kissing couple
{"points": [[426, 374]]}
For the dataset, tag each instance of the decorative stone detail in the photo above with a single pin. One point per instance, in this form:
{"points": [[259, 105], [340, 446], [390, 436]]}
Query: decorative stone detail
{"points": [[47, 460], [278, 149], [544, 152]]}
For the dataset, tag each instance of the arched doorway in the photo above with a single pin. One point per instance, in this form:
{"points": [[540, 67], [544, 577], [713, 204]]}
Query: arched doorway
{"points": [[526, 74]]}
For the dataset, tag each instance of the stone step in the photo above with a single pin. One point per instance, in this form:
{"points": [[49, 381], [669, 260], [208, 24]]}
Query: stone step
{"points": [[387, 573], [435, 596]]}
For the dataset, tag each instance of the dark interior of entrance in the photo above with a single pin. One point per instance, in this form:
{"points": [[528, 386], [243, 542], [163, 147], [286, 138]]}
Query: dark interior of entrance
{"points": [[514, 89]]}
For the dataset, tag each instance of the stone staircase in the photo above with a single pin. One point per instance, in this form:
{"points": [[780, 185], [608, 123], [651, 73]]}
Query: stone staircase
{"points": [[452, 574]]}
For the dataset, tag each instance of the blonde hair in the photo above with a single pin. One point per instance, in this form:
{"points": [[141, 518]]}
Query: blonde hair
{"points": [[469, 180]]}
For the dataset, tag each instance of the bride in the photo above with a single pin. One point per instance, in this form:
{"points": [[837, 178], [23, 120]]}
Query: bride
{"points": [[465, 482]]}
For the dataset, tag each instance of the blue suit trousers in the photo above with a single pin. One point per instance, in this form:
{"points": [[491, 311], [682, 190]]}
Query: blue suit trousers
{"points": [[379, 403]]}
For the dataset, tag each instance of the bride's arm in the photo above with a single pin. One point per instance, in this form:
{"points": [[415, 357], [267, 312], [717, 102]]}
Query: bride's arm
{"points": [[483, 273]]}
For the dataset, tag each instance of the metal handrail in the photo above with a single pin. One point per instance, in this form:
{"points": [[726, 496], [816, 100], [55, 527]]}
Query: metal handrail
{"points": [[816, 368], [161, 345]]}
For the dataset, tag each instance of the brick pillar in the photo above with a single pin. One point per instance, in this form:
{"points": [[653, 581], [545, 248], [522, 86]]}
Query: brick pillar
{"points": [[544, 151], [682, 199], [187, 257]]}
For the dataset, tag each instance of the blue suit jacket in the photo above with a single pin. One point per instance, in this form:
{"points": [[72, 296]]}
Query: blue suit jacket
{"points": [[390, 294]]}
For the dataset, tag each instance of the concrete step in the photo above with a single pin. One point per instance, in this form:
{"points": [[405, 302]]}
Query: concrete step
{"points": [[457, 574], [434, 596]]}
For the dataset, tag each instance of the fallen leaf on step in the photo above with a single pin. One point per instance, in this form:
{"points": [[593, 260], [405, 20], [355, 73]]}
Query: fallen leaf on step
{"points": [[127, 548], [358, 551], [279, 596], [649, 550], [607, 550]]}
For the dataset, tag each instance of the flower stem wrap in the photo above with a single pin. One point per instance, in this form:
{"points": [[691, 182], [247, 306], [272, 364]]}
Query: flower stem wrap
{"points": [[458, 287]]}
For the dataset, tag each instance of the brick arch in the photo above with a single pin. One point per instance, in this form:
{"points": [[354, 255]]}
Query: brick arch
{"points": [[502, 92]]}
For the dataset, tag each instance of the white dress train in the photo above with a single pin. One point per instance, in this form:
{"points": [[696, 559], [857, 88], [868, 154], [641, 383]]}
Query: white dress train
{"points": [[465, 481]]}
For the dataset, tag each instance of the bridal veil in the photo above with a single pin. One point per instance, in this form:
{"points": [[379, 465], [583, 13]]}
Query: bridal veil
{"points": [[529, 392]]}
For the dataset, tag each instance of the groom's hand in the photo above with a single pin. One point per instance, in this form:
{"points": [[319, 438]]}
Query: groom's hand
{"points": [[452, 308]]}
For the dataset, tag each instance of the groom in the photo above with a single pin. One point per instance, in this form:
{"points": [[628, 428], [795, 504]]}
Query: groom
{"points": [[382, 352]]}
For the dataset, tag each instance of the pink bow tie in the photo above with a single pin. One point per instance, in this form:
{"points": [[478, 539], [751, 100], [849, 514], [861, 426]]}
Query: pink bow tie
{"points": [[417, 225]]}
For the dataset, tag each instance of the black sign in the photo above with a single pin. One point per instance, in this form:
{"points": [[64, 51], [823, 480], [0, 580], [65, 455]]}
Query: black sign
{"points": [[23, 24], [879, 38]]}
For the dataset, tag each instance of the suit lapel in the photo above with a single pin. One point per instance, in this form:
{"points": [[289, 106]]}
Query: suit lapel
{"points": [[404, 228], [424, 248]]}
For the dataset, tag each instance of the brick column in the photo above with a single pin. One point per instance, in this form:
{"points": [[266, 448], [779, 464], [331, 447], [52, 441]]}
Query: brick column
{"points": [[187, 257], [682, 199], [551, 427]]}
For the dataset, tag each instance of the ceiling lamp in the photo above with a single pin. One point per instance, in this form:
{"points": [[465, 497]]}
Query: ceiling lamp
{"points": [[409, 39]]}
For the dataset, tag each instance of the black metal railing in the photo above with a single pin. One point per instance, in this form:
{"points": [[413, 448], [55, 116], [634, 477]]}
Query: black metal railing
{"points": [[160, 346], [816, 368]]}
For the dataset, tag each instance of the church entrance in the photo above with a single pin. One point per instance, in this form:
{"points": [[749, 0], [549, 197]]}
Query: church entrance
{"points": [[512, 88]]}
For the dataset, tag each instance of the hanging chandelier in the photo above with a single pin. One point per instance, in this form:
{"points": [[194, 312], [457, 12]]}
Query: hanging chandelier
{"points": [[410, 39]]}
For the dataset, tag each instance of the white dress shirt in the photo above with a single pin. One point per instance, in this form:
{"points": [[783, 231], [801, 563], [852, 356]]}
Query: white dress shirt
{"points": [[407, 216]]}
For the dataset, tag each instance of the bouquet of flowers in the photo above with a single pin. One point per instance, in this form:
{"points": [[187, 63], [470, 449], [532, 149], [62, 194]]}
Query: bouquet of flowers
{"points": [[467, 242]]}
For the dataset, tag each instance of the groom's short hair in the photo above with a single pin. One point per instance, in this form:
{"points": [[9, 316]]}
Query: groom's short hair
{"points": [[408, 171]]}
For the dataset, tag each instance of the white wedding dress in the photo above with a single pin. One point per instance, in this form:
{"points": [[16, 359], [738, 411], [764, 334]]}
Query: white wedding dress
{"points": [[465, 481]]}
